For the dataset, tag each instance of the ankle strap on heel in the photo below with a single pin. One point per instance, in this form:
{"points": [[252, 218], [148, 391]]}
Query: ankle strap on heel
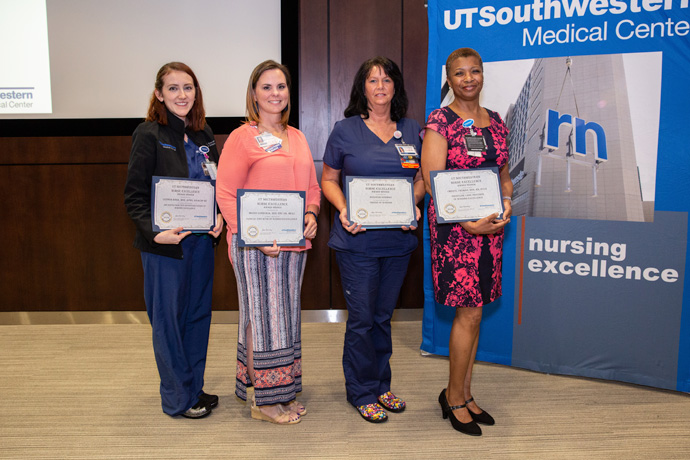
{"points": [[452, 408]]}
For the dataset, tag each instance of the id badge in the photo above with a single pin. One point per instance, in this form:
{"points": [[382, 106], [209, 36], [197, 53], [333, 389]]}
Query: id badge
{"points": [[268, 142], [476, 145], [409, 158], [210, 169]]}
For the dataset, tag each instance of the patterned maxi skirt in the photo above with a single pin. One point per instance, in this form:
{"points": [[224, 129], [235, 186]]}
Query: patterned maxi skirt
{"points": [[269, 290]]}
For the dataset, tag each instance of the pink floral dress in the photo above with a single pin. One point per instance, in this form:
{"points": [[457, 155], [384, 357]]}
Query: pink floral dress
{"points": [[466, 269]]}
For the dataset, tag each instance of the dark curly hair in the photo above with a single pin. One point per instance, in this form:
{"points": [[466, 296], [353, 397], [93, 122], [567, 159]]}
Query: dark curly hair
{"points": [[358, 101]]}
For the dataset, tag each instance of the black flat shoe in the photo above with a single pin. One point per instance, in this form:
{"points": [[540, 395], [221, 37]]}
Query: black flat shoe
{"points": [[198, 410], [210, 400], [470, 428], [482, 417]]}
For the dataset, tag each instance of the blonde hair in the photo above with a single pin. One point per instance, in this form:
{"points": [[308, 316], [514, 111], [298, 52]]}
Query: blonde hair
{"points": [[252, 106]]}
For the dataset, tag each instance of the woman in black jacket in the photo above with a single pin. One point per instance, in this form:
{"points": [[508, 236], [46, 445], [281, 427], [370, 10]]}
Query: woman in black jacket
{"points": [[175, 141]]}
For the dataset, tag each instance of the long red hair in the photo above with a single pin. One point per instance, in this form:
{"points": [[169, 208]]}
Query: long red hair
{"points": [[196, 118]]}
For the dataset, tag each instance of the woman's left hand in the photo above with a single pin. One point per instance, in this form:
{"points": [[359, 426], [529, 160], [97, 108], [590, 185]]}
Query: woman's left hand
{"points": [[507, 210], [507, 190], [310, 226], [418, 214], [218, 228], [271, 251]]}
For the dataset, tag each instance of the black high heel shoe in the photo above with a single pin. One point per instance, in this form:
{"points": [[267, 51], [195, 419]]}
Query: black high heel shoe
{"points": [[470, 428], [482, 417]]}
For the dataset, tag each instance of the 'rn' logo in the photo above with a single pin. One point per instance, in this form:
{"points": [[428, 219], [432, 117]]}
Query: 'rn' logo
{"points": [[554, 120]]}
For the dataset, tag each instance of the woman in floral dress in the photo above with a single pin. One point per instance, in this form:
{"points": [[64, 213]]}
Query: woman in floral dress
{"points": [[466, 256]]}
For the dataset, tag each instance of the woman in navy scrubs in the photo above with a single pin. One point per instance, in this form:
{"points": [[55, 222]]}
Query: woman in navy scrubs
{"points": [[175, 141], [372, 262]]}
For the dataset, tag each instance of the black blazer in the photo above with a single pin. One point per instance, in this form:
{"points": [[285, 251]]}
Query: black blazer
{"points": [[158, 150]]}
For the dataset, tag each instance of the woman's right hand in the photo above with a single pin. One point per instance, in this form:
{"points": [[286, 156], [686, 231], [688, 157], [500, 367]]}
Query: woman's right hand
{"points": [[172, 236], [352, 228], [271, 251], [485, 226]]}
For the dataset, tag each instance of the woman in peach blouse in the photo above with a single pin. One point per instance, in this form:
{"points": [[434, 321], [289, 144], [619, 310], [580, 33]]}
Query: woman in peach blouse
{"points": [[269, 278]]}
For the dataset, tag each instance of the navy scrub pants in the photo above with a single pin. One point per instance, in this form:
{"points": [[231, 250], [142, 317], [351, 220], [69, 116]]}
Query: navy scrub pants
{"points": [[178, 302], [371, 286]]}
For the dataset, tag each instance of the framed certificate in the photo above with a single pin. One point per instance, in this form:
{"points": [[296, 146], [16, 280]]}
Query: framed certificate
{"points": [[179, 202], [466, 194], [267, 215], [380, 202]]}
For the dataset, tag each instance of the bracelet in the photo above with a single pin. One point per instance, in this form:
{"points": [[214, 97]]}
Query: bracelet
{"points": [[510, 199], [313, 214]]}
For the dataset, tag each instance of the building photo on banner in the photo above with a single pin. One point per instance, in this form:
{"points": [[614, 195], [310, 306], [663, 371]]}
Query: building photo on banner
{"points": [[594, 97]]}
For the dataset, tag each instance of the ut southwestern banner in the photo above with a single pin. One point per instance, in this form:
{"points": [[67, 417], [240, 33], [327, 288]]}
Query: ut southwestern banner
{"points": [[24, 58], [594, 95]]}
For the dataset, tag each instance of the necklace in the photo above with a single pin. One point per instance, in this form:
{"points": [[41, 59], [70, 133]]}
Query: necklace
{"points": [[272, 128], [383, 131]]}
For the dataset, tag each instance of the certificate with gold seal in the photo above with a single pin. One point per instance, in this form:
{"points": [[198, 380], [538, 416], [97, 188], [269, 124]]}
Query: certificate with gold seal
{"points": [[380, 202], [466, 194], [180, 202], [264, 216]]}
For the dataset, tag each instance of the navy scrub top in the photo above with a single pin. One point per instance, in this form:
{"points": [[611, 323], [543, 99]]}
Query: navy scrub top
{"points": [[194, 160], [356, 151]]}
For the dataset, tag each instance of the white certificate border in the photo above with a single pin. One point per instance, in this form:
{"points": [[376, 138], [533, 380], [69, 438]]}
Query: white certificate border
{"points": [[432, 179], [409, 180], [156, 180], [242, 192]]}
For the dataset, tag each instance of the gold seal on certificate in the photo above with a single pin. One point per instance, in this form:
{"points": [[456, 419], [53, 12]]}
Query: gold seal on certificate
{"points": [[380, 202], [187, 203], [264, 216], [466, 194]]}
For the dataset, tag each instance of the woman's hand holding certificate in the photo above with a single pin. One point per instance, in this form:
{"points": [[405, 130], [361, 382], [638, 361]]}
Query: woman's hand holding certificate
{"points": [[186, 203], [380, 202], [265, 217], [462, 195]]}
